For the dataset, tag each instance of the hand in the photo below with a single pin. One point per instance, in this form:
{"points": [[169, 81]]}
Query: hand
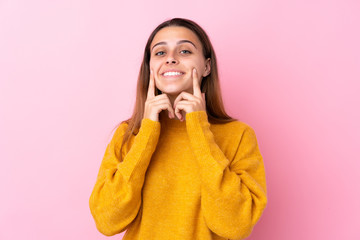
{"points": [[192, 102], [155, 104]]}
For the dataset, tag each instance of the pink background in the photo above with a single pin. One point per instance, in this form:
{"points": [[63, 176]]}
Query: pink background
{"points": [[68, 71]]}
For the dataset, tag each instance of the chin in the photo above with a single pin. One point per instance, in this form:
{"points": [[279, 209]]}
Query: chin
{"points": [[172, 91]]}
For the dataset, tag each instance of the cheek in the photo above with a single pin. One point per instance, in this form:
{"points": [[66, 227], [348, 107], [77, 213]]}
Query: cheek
{"points": [[154, 65], [199, 64]]}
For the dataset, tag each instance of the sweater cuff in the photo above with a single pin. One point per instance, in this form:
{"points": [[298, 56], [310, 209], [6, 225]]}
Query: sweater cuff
{"points": [[197, 116], [142, 149], [149, 132], [148, 124], [203, 142]]}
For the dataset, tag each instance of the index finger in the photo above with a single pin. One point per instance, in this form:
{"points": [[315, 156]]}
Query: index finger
{"points": [[151, 88], [197, 90]]}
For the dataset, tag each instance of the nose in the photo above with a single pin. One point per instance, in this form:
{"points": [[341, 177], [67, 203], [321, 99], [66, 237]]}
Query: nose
{"points": [[171, 59]]}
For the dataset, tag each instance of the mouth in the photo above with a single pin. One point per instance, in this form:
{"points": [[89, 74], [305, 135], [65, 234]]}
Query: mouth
{"points": [[172, 74]]}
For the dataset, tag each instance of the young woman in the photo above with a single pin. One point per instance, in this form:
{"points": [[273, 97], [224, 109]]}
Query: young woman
{"points": [[180, 167]]}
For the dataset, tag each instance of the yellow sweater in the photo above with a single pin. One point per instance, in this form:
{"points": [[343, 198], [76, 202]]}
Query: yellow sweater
{"points": [[195, 180]]}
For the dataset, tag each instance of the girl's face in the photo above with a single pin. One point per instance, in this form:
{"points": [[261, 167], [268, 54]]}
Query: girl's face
{"points": [[174, 52]]}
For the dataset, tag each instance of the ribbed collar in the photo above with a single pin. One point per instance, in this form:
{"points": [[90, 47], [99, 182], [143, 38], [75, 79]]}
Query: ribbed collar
{"points": [[169, 123]]}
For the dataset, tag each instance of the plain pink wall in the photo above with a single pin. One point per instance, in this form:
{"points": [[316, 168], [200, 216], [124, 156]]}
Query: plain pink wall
{"points": [[68, 71]]}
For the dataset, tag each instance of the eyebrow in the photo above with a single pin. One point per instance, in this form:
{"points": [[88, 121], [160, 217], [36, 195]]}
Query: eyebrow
{"points": [[179, 42]]}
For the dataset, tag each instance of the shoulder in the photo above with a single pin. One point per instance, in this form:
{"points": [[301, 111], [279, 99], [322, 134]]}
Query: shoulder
{"points": [[235, 127], [120, 129], [235, 133]]}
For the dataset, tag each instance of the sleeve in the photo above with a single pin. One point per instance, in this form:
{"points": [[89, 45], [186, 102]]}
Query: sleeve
{"points": [[116, 198], [233, 196]]}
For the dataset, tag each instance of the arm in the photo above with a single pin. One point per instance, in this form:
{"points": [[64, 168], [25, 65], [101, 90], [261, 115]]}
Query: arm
{"points": [[233, 196], [116, 198]]}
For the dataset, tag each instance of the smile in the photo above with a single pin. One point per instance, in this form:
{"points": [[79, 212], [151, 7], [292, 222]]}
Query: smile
{"points": [[167, 74]]}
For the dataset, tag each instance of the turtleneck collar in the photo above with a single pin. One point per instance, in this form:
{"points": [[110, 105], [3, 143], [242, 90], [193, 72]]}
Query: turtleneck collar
{"points": [[171, 123]]}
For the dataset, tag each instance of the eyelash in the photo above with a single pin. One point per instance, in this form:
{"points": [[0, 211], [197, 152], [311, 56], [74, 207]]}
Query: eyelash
{"points": [[157, 54]]}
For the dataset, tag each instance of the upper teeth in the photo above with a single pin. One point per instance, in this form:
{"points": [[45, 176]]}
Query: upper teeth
{"points": [[172, 73]]}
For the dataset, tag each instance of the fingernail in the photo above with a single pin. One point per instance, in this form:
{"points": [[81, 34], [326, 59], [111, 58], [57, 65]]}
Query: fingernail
{"points": [[194, 69]]}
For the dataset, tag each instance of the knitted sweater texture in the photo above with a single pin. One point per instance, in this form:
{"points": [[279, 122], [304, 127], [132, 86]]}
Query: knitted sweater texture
{"points": [[181, 180]]}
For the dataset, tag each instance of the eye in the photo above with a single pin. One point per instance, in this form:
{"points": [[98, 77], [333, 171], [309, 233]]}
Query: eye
{"points": [[160, 53], [185, 51]]}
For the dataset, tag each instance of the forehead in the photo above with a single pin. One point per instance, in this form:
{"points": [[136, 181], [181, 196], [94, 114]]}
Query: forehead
{"points": [[173, 34]]}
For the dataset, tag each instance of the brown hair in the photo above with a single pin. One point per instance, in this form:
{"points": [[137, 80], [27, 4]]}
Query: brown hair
{"points": [[209, 84]]}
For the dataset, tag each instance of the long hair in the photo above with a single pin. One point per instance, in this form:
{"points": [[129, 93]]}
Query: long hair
{"points": [[210, 84]]}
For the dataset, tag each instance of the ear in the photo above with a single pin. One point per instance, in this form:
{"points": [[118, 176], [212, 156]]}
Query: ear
{"points": [[207, 67]]}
